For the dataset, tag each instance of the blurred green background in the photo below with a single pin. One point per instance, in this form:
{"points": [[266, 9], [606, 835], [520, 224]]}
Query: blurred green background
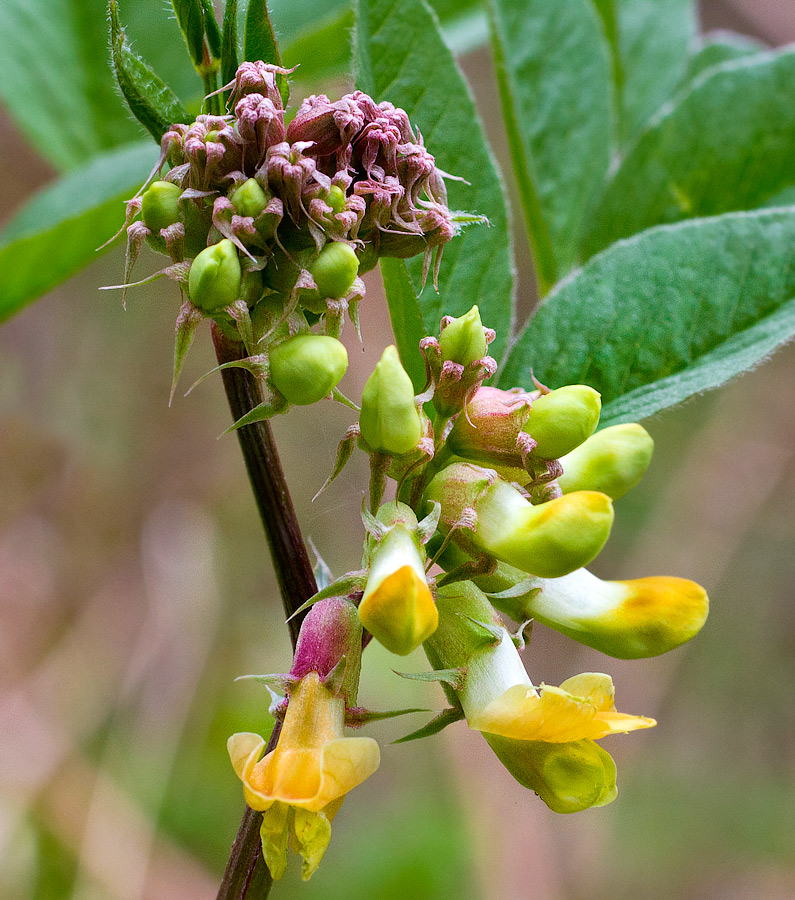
{"points": [[135, 586]]}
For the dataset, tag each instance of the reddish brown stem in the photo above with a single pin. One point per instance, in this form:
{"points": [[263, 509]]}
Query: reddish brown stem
{"points": [[246, 876]]}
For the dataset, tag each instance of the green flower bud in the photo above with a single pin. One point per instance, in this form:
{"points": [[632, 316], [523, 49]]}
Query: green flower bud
{"points": [[336, 199], [611, 461], [249, 199], [160, 205], [568, 777], [335, 269], [463, 340], [561, 420], [215, 277], [306, 367], [389, 421], [549, 540]]}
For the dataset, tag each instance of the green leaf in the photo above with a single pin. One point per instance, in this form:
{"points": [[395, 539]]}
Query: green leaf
{"points": [[211, 29], [654, 44], [558, 116], [60, 229], [666, 314], [191, 22], [54, 78], [727, 144], [152, 102], [404, 312], [323, 51], [720, 47], [401, 57], [230, 51], [260, 41]]}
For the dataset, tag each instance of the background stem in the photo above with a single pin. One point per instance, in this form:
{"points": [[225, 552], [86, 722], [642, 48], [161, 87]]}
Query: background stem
{"points": [[246, 874]]}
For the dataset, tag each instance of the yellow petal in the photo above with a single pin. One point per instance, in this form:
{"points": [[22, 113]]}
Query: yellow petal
{"points": [[344, 764], [244, 751], [400, 612], [621, 723], [593, 686]]}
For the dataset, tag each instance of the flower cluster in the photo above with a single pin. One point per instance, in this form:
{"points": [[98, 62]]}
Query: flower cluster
{"points": [[511, 494], [269, 226]]}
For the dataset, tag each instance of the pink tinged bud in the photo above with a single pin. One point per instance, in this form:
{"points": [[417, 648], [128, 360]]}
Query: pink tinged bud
{"points": [[258, 78], [260, 123], [463, 340], [329, 126], [331, 636], [288, 171], [490, 430]]}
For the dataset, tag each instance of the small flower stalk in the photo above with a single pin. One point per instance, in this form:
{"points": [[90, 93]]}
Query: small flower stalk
{"points": [[301, 784]]}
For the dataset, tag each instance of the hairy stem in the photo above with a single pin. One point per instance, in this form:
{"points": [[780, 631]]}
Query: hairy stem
{"points": [[246, 876]]}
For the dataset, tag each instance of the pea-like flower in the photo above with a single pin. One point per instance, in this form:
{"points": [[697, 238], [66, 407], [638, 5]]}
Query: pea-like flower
{"points": [[300, 785]]}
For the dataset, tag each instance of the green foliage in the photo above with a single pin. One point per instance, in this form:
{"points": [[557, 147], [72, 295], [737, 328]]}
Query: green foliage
{"points": [[669, 313], [654, 38], [401, 56], [407, 324], [59, 231], [558, 115], [720, 48], [151, 101], [728, 143], [55, 79], [260, 41], [230, 53], [191, 22]]}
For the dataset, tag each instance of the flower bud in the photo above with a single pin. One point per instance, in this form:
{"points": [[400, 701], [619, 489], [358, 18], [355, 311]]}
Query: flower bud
{"points": [[249, 199], [335, 270], [611, 461], [306, 367], [160, 205], [490, 430], [463, 340], [389, 421], [550, 540], [631, 619], [397, 607], [568, 777], [215, 277], [336, 199], [561, 420]]}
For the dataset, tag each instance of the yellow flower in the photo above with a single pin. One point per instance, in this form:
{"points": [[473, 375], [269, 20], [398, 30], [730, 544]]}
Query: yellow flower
{"points": [[397, 606], [300, 785], [582, 707]]}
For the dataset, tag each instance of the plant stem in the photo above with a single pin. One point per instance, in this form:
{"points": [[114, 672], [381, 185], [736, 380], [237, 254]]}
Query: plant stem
{"points": [[246, 876]]}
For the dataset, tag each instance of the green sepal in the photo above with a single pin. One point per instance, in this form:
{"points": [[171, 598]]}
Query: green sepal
{"points": [[344, 452], [484, 633], [188, 321], [355, 718], [230, 54], [454, 677], [279, 680], [527, 588], [266, 410], [259, 42], [437, 724], [427, 526], [347, 584], [150, 99], [321, 569]]}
